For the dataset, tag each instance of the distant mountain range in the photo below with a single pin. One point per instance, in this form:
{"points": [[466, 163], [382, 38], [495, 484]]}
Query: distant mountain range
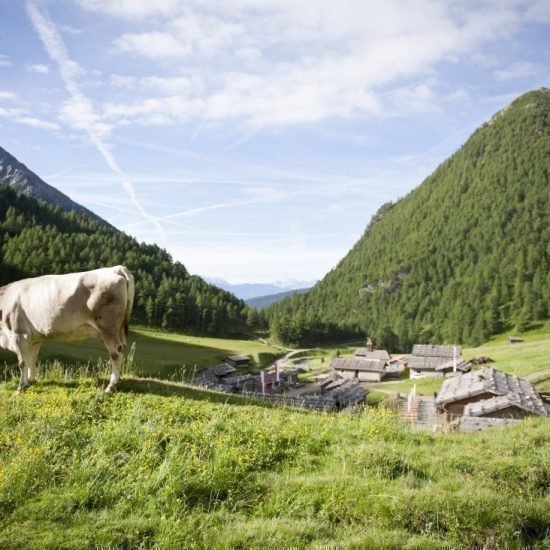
{"points": [[261, 302], [25, 182], [246, 291]]}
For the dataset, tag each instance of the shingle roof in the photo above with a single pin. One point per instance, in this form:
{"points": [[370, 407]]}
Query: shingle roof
{"points": [[461, 365], [512, 399], [485, 380], [426, 362], [238, 358], [429, 350], [381, 354], [222, 370], [372, 365]]}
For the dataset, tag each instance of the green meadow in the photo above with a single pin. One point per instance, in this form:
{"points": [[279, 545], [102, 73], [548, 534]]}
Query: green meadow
{"points": [[159, 354], [161, 464]]}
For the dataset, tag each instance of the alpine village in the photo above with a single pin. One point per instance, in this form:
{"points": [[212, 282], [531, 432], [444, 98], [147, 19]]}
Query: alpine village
{"points": [[402, 402]]}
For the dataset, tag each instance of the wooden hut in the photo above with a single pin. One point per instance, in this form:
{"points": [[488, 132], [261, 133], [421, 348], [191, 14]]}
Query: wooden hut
{"points": [[431, 360], [491, 393], [366, 370]]}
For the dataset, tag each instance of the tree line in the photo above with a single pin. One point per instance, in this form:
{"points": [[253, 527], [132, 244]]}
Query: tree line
{"points": [[37, 238]]}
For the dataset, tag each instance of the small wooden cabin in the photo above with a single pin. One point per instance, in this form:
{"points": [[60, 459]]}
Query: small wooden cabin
{"points": [[365, 370], [431, 360], [491, 393]]}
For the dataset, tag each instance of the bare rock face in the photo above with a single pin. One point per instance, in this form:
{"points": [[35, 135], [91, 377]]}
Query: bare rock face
{"points": [[26, 182]]}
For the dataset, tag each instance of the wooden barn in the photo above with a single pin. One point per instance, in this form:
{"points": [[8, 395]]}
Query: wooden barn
{"points": [[430, 360], [490, 393], [364, 370]]}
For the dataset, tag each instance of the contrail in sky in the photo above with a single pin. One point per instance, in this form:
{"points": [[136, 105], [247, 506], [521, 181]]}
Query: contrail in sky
{"points": [[57, 51]]}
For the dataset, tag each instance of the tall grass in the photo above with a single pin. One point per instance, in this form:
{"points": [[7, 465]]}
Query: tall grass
{"points": [[79, 469]]}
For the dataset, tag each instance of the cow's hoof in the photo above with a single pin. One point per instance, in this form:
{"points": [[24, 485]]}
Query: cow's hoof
{"points": [[22, 389], [110, 389]]}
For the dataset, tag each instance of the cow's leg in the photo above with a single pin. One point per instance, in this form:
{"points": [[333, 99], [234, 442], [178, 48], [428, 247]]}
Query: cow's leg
{"points": [[32, 362], [116, 352], [22, 350]]}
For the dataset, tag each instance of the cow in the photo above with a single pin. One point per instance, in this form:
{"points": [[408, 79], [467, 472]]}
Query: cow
{"points": [[70, 307]]}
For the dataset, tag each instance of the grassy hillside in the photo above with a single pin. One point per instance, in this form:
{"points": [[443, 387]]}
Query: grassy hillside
{"points": [[463, 256], [158, 354], [79, 469]]}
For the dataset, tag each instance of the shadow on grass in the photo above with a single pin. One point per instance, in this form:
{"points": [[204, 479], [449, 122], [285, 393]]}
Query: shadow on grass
{"points": [[155, 356]]}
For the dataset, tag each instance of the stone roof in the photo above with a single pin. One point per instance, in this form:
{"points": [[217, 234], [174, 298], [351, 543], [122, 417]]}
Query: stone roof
{"points": [[485, 380], [429, 350], [222, 370], [348, 393], [370, 365], [461, 365], [380, 354], [431, 363], [238, 358], [519, 400]]}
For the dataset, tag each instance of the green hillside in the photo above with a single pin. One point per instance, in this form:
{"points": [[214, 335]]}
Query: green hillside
{"points": [[37, 238], [463, 256], [164, 466]]}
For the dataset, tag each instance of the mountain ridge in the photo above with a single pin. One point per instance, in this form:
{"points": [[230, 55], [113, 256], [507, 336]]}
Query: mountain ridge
{"points": [[463, 255], [26, 182]]}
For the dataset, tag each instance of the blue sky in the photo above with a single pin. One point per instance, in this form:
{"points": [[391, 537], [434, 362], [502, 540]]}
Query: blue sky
{"points": [[255, 139]]}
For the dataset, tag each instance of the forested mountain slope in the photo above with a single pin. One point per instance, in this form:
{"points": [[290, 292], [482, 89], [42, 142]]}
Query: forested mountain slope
{"points": [[26, 182], [463, 256], [37, 238]]}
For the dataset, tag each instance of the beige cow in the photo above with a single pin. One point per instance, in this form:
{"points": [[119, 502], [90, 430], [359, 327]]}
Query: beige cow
{"points": [[76, 306]]}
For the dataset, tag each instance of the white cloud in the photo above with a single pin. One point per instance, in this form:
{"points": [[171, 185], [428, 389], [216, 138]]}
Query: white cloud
{"points": [[132, 9], [249, 55], [21, 116], [517, 70], [162, 85], [417, 98], [4, 61], [7, 96], [284, 62], [38, 68], [68, 29], [152, 45], [37, 123]]}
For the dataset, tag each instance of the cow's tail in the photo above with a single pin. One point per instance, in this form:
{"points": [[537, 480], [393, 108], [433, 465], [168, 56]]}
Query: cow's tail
{"points": [[131, 288]]}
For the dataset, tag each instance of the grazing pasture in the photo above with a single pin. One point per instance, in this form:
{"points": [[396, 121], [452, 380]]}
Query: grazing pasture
{"points": [[162, 464], [159, 354]]}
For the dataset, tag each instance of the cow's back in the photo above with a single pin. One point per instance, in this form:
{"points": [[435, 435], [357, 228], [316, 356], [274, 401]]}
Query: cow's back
{"points": [[67, 306]]}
